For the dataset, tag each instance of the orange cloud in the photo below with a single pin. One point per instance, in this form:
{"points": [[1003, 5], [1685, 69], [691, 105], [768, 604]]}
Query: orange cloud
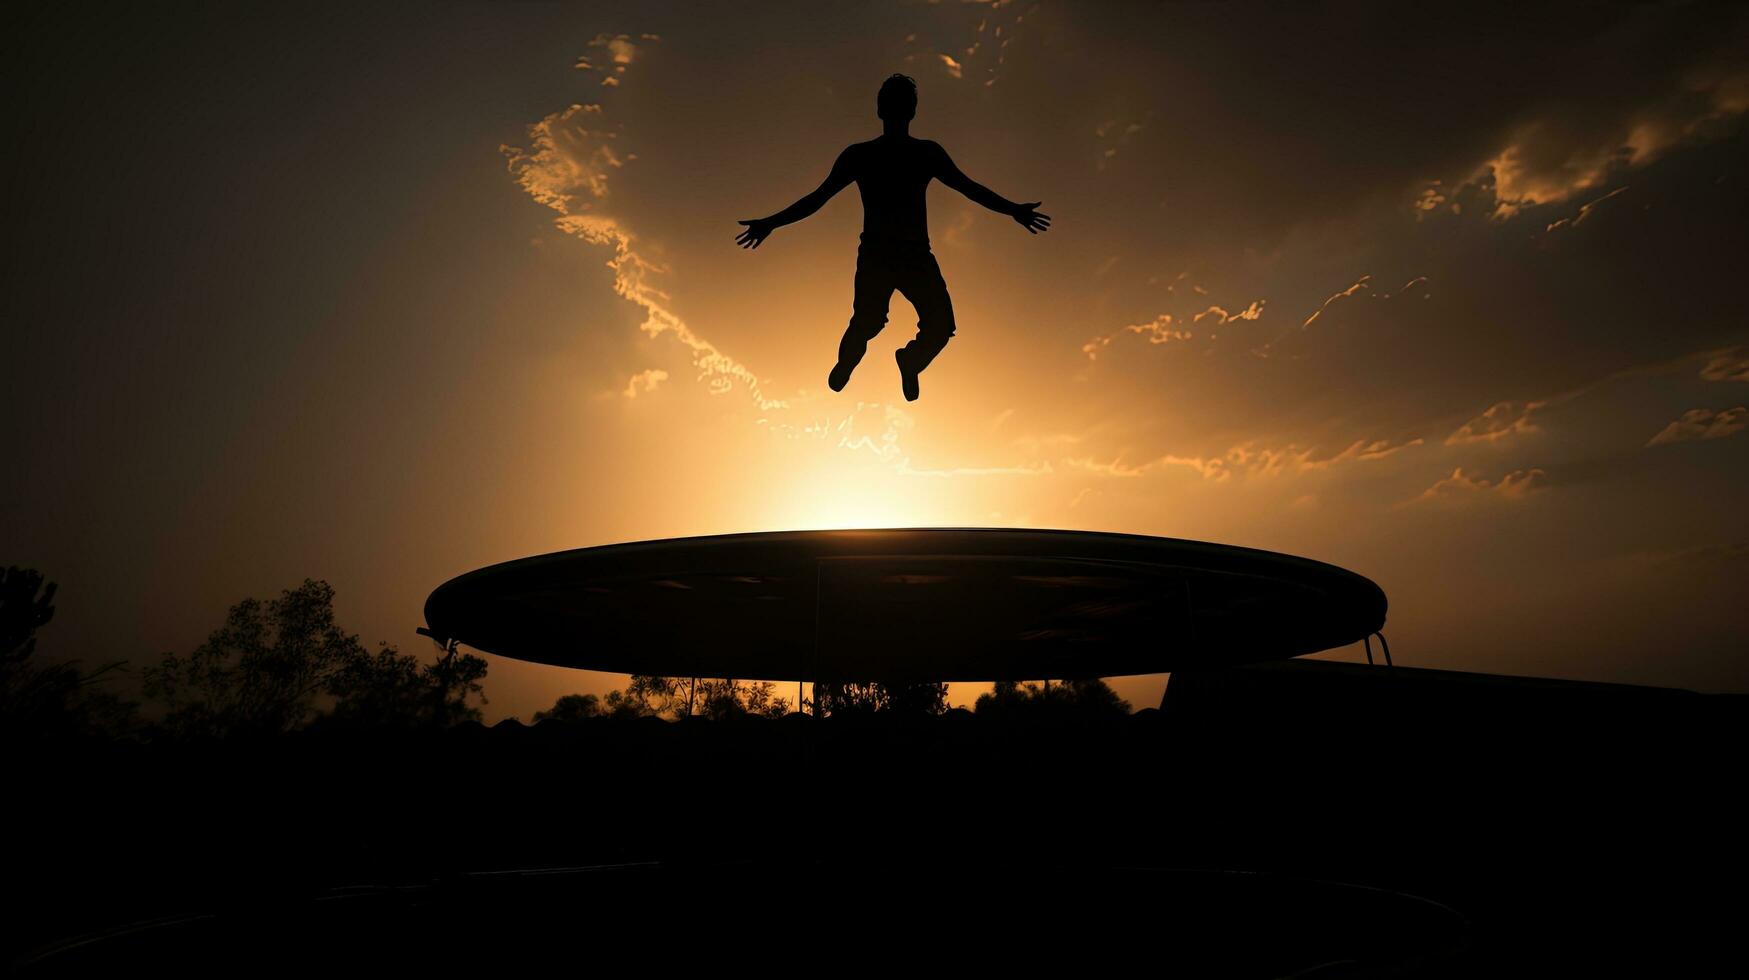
{"points": [[1294, 460], [1221, 316], [645, 381], [1115, 468], [1158, 331], [1585, 211], [1248, 460], [568, 158], [1360, 450], [614, 53], [1502, 419], [1546, 161], [1521, 181], [1512, 486], [1166, 329], [567, 167], [1362, 283], [620, 48], [1703, 423]]}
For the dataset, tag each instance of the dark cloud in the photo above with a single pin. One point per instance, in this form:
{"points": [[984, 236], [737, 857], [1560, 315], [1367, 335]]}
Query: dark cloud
{"points": [[1297, 114], [1501, 311], [1291, 148]]}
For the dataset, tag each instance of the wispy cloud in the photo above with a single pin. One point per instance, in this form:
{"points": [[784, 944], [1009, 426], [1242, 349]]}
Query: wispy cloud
{"points": [[567, 166], [1585, 211], [572, 156], [1213, 468], [1360, 285], [1113, 136], [1338, 310], [872, 428], [1547, 159], [1501, 420], [1727, 365], [1160, 330], [1291, 460], [1703, 423], [645, 382], [1167, 328], [1043, 468], [1219, 315], [1461, 487], [1359, 450], [1246, 460], [611, 54], [976, 54], [1515, 418]]}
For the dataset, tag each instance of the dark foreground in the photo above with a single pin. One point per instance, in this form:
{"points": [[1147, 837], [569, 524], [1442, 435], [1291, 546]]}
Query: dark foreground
{"points": [[1269, 822]]}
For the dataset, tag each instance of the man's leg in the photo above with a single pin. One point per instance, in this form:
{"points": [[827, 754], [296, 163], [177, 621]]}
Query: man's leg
{"points": [[874, 289], [923, 285]]}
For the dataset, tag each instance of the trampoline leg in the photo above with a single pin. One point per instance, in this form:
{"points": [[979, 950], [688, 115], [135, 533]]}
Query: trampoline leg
{"points": [[1387, 648], [1368, 641]]}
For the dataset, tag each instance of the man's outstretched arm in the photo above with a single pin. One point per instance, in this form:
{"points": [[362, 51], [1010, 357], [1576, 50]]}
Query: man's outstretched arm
{"points": [[758, 228], [1025, 214]]}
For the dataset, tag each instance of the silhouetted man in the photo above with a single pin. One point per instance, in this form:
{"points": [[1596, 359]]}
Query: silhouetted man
{"points": [[893, 172]]}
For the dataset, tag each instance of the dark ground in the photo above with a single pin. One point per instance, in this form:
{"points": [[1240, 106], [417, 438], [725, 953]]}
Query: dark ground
{"points": [[1555, 829]]}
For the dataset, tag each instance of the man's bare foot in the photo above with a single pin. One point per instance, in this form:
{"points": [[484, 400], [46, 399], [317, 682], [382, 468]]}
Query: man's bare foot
{"points": [[840, 376]]}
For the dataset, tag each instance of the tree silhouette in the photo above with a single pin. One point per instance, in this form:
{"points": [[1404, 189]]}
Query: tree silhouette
{"points": [[659, 695], [275, 665], [260, 673], [619, 704], [719, 699], [1087, 698], [570, 709], [26, 604], [453, 680], [652, 696], [761, 700], [47, 699], [394, 689], [845, 698], [649, 696]]}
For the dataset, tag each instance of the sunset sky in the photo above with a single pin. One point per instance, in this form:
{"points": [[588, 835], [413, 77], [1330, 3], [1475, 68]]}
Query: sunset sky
{"points": [[1453, 299]]}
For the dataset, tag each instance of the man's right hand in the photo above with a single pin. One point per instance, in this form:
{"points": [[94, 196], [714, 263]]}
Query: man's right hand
{"points": [[755, 232], [1029, 218]]}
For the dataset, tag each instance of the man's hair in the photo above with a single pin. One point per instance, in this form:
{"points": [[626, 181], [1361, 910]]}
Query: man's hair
{"points": [[897, 98]]}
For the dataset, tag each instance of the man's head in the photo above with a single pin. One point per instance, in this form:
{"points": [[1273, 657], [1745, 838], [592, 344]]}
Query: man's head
{"points": [[897, 100]]}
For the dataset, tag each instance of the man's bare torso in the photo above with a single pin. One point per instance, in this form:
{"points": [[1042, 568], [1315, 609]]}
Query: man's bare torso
{"points": [[893, 174]]}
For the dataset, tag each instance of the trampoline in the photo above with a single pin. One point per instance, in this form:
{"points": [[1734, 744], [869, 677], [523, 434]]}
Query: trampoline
{"points": [[935, 604]]}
